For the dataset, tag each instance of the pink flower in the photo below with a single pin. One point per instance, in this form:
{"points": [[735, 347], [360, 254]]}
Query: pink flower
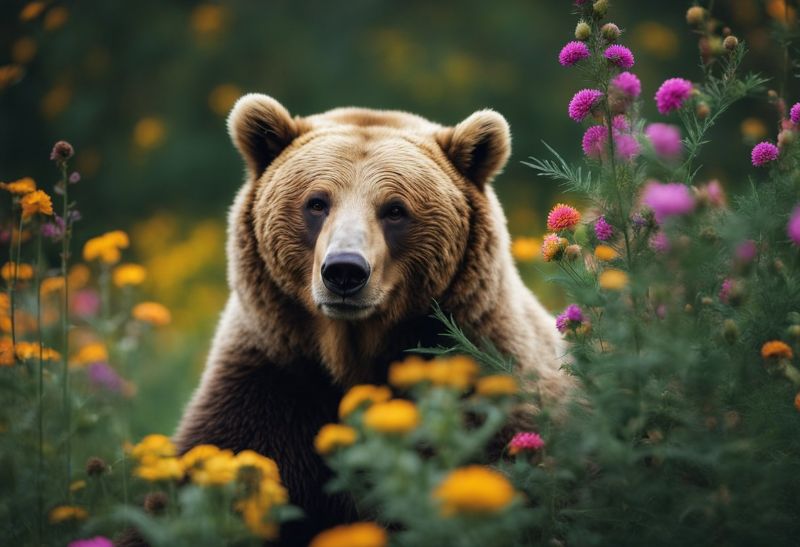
{"points": [[715, 194], [525, 441], [793, 228], [665, 138], [794, 113], [619, 55], [628, 84], [594, 141], [602, 229], [764, 152], [626, 147], [667, 200], [746, 251], [570, 318], [86, 303], [725, 290], [562, 217], [672, 94], [659, 242], [583, 102], [97, 541], [572, 53]]}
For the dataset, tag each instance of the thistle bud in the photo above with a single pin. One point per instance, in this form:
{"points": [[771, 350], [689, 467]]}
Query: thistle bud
{"points": [[155, 502], [610, 32], [786, 137], [695, 15], [702, 110], [706, 301], [62, 151], [794, 331], [583, 31], [730, 331], [731, 43], [95, 466], [600, 7]]}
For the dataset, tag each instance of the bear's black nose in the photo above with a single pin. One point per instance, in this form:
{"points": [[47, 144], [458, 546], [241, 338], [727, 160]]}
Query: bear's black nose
{"points": [[345, 273]]}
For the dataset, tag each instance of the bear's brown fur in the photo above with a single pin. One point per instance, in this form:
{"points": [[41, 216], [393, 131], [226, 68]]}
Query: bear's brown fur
{"points": [[286, 347]]}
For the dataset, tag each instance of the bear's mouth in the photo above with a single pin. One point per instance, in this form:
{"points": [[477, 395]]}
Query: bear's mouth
{"points": [[346, 310]]}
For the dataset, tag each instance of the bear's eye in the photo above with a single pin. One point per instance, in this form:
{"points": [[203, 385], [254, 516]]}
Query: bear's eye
{"points": [[395, 213], [317, 206]]}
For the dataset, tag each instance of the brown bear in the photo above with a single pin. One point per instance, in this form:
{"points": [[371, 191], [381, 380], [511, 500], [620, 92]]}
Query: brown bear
{"points": [[349, 226]]}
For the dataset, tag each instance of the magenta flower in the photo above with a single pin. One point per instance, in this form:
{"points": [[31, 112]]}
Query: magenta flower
{"points": [[570, 318], [725, 290], [563, 217], [85, 303], [594, 141], [626, 147], [583, 102], [526, 441], [628, 84], [619, 55], [764, 152], [667, 200], [715, 194], [97, 541], [602, 229], [659, 242], [572, 53], [746, 251], [665, 138], [793, 228], [101, 375], [74, 177], [672, 94], [794, 113]]}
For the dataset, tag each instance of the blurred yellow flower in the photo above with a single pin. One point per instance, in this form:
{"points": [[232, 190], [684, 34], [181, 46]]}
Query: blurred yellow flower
{"points": [[23, 50], [77, 485], [55, 18], [410, 372], [36, 202], [129, 274], [94, 352], [160, 469], [23, 271], [51, 284], [360, 534], [56, 100], [31, 10], [153, 446], [217, 469], [27, 351], [777, 10], [197, 455], [207, 18], [776, 349], [497, 385], [360, 394], [526, 249], [153, 313], [6, 352], [10, 74], [149, 132], [605, 253], [255, 515], [106, 247], [22, 186], [267, 467], [613, 280], [333, 436], [223, 97], [67, 512], [78, 276], [474, 490], [457, 372], [753, 129], [395, 416], [657, 39]]}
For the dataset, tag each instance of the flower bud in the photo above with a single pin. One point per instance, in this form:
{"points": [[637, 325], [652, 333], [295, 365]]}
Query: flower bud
{"points": [[702, 110], [794, 331], [155, 502], [730, 331], [62, 151], [583, 31], [706, 301], [786, 137], [688, 308], [695, 15], [572, 252], [600, 7], [95, 466], [610, 32], [731, 43]]}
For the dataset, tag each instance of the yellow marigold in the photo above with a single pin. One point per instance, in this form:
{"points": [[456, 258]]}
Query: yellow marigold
{"points": [[613, 280], [360, 394], [129, 274], [21, 186], [37, 202], [94, 352], [333, 436], [77, 485], [153, 313], [24, 271], [27, 351], [526, 249], [605, 252], [408, 373], [218, 469], [198, 454], [106, 247], [78, 276], [160, 469], [6, 352], [153, 446], [458, 372], [360, 534], [67, 512], [497, 385], [776, 348], [395, 416], [255, 515], [474, 489], [267, 467], [51, 284]]}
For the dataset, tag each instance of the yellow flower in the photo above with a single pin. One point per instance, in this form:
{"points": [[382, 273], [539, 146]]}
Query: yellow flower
{"points": [[51, 285], [776, 349], [31, 10], [797, 401], [526, 249], [395, 416], [78, 276], [149, 132], [106, 247], [474, 489], [218, 469], [613, 280], [153, 446], [457, 372], [153, 313], [497, 385], [253, 513], [753, 129], [223, 97], [30, 350], [207, 18], [21, 186], [553, 247], [6, 352], [77, 485], [360, 394], [333, 436], [197, 455], [408, 373], [605, 253], [268, 469], [129, 274], [37, 202], [24, 271], [94, 352], [55, 18], [360, 534], [67, 512], [160, 469]]}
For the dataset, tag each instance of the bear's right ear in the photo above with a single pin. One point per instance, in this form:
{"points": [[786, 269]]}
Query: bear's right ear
{"points": [[261, 128]]}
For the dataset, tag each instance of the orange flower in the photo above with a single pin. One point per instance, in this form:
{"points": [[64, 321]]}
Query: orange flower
{"points": [[333, 436], [37, 202], [67, 512], [94, 352], [797, 401], [613, 280], [393, 417], [605, 253], [526, 249], [360, 534], [106, 247], [153, 313], [6, 352], [408, 373], [457, 372], [21, 186], [776, 349], [129, 274], [24, 271], [474, 490], [497, 385], [360, 394]]}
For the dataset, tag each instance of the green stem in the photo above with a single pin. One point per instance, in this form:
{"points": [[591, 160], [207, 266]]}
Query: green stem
{"points": [[15, 264], [40, 386], [65, 329]]}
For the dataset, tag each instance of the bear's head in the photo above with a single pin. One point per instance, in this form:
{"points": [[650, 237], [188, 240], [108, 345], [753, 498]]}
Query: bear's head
{"points": [[359, 214]]}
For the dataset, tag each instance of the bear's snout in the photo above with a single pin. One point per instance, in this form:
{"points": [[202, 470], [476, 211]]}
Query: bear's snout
{"points": [[344, 274]]}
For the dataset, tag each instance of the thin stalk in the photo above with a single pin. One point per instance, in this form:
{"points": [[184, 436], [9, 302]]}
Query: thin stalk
{"points": [[65, 328], [15, 264], [40, 387]]}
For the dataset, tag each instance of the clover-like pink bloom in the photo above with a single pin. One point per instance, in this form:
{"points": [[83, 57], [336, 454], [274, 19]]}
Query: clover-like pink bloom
{"points": [[562, 217], [746, 251], [668, 200], [619, 55], [764, 152], [583, 102], [660, 243], [570, 318], [672, 94], [793, 227], [628, 84], [525, 441], [594, 141], [572, 53], [602, 229], [665, 138], [97, 541], [794, 113], [626, 147]]}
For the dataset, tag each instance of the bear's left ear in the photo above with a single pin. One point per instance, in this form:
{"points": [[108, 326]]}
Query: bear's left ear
{"points": [[479, 146]]}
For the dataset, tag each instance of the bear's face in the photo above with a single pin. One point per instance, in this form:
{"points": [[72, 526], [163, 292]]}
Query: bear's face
{"points": [[362, 214]]}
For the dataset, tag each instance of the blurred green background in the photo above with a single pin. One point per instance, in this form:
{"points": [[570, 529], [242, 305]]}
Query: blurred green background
{"points": [[142, 90]]}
